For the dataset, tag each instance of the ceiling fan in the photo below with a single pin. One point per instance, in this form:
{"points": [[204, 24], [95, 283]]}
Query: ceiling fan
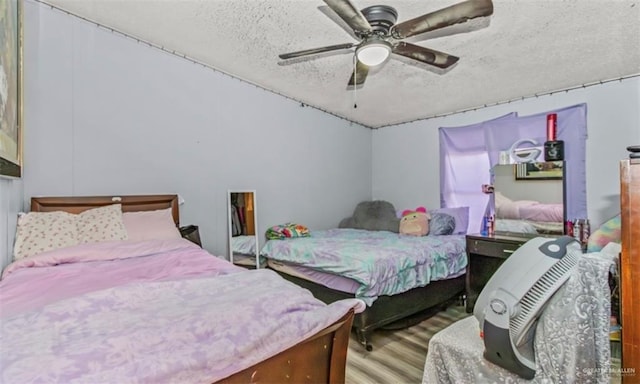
{"points": [[380, 36]]}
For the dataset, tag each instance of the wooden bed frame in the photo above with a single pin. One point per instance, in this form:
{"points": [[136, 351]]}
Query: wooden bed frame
{"points": [[130, 203], [321, 358], [397, 311]]}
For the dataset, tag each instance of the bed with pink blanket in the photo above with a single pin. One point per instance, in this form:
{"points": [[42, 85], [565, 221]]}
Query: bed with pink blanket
{"points": [[162, 311]]}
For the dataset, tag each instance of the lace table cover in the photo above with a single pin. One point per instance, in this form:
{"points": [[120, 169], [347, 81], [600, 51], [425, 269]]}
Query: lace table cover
{"points": [[571, 342]]}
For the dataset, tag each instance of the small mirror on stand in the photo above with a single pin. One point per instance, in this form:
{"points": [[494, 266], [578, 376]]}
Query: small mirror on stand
{"points": [[243, 226]]}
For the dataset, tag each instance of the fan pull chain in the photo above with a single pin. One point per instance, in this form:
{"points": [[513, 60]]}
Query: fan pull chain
{"points": [[355, 81]]}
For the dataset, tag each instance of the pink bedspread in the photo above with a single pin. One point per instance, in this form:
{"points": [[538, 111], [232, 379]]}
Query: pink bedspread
{"points": [[147, 312], [32, 282]]}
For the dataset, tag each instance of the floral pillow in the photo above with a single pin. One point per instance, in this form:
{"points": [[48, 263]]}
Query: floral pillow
{"points": [[39, 232], [101, 224]]}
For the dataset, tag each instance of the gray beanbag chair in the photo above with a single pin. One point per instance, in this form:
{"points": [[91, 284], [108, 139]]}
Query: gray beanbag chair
{"points": [[378, 215]]}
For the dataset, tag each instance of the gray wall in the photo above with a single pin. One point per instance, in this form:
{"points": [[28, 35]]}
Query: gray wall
{"points": [[108, 115], [406, 157]]}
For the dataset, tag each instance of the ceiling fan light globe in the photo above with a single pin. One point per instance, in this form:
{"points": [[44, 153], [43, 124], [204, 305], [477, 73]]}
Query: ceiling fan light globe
{"points": [[373, 54]]}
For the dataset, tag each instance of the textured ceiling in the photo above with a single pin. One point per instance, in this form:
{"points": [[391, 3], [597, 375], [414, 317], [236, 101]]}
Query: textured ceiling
{"points": [[526, 47]]}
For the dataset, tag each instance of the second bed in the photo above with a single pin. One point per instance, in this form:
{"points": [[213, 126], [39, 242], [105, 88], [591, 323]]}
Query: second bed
{"points": [[398, 276]]}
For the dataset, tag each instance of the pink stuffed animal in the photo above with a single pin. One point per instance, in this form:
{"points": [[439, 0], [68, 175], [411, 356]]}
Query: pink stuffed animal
{"points": [[415, 223]]}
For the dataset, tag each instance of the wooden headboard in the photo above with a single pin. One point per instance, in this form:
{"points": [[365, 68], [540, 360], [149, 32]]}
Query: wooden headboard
{"points": [[130, 203]]}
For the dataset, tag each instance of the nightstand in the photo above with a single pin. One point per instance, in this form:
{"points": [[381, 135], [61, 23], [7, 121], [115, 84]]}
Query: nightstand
{"points": [[191, 233], [485, 254]]}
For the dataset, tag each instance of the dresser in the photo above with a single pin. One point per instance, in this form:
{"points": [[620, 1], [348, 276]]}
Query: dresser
{"points": [[630, 269], [485, 254]]}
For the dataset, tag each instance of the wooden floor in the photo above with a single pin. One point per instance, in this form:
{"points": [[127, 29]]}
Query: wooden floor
{"points": [[398, 356]]}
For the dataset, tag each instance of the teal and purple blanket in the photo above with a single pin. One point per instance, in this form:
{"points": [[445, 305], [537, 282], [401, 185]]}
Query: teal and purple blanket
{"points": [[383, 263]]}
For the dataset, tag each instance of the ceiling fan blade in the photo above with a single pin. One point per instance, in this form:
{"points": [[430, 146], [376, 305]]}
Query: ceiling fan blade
{"points": [[315, 51], [425, 55], [444, 17], [360, 74], [350, 14]]}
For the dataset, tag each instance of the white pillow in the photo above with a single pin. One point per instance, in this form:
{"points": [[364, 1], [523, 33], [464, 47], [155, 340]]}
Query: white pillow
{"points": [[101, 224], [39, 232], [150, 225]]}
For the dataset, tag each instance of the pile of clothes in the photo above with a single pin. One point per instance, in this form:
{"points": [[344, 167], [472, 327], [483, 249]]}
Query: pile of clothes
{"points": [[287, 230]]}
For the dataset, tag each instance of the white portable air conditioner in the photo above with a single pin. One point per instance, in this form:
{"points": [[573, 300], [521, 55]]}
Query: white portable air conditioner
{"points": [[509, 305]]}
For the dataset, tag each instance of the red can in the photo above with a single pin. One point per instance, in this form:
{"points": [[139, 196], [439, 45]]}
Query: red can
{"points": [[568, 228], [552, 120]]}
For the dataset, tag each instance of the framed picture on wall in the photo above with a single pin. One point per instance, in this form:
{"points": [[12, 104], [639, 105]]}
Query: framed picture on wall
{"points": [[550, 170], [10, 88]]}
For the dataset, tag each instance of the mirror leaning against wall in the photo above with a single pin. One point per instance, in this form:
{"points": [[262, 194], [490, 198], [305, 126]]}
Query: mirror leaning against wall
{"points": [[242, 228]]}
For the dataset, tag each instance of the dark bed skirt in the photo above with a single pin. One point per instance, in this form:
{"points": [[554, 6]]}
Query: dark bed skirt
{"points": [[387, 310]]}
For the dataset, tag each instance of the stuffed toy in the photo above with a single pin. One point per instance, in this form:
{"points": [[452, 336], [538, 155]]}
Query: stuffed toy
{"points": [[415, 223]]}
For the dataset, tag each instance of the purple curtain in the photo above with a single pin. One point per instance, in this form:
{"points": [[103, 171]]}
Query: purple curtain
{"points": [[467, 153], [464, 167]]}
